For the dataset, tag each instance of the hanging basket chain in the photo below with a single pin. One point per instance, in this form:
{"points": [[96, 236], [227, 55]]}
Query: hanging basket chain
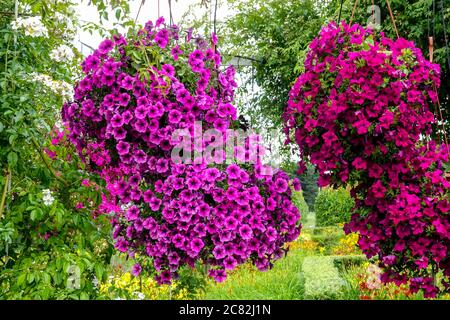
{"points": [[353, 11], [340, 11], [445, 34], [392, 17]]}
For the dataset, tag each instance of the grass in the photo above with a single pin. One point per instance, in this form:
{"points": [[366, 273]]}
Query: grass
{"points": [[322, 264], [322, 279], [309, 221], [283, 282]]}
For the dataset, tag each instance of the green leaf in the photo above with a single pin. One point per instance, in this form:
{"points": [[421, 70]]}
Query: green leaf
{"points": [[30, 277], [118, 12], [21, 279], [12, 159], [84, 296]]}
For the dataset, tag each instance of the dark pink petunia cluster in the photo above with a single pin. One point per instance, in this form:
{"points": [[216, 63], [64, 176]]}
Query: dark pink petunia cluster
{"points": [[361, 114], [136, 96]]}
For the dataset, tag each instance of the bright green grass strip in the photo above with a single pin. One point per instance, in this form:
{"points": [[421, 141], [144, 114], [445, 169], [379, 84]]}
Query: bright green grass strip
{"points": [[322, 280], [283, 282], [309, 221]]}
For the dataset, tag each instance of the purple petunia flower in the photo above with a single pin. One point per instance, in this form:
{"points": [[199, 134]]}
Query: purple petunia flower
{"points": [[245, 232], [136, 270], [123, 148], [233, 171], [106, 46], [140, 112], [197, 245], [132, 213], [140, 156], [229, 263], [193, 183], [219, 252], [117, 121], [281, 185]]}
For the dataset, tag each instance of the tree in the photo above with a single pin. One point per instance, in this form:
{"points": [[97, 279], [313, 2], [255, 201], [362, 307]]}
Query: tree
{"points": [[276, 34], [50, 245]]}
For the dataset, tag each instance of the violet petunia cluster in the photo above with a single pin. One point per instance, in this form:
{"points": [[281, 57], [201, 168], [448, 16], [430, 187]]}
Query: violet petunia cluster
{"points": [[361, 114], [137, 92]]}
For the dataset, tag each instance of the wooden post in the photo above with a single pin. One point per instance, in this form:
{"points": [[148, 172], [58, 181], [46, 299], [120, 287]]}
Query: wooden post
{"points": [[5, 191]]}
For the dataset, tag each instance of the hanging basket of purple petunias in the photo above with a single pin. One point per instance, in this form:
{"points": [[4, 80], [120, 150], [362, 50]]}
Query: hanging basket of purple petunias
{"points": [[361, 114], [138, 95]]}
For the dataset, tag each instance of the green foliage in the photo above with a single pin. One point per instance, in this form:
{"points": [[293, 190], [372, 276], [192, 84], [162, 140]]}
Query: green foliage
{"points": [[327, 237], [276, 33], [283, 282], [322, 279], [308, 180], [50, 246], [309, 185], [299, 202], [333, 206], [343, 263]]}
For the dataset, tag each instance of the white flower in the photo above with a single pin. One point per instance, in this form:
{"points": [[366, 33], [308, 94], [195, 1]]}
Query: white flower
{"points": [[61, 88], [373, 282], [95, 281], [139, 295], [63, 53], [374, 269], [47, 197], [32, 26], [59, 125], [126, 206], [66, 21]]}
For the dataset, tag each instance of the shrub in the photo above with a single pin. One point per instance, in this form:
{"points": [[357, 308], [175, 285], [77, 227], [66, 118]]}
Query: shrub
{"points": [[347, 245], [299, 201], [342, 263], [309, 185], [333, 206]]}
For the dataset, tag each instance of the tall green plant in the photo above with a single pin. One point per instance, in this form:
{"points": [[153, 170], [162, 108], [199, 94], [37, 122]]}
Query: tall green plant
{"points": [[333, 206]]}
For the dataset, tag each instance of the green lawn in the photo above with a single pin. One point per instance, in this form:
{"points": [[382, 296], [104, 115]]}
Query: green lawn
{"points": [[284, 282]]}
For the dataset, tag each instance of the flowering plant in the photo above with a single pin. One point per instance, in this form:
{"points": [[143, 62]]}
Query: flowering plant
{"points": [[360, 114], [137, 95], [125, 286]]}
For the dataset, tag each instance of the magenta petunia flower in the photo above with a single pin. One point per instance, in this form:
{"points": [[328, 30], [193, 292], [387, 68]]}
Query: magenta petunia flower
{"points": [[136, 270], [177, 214], [281, 185], [197, 245], [132, 213], [117, 121], [123, 148], [245, 232], [233, 171], [106, 46], [229, 263]]}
